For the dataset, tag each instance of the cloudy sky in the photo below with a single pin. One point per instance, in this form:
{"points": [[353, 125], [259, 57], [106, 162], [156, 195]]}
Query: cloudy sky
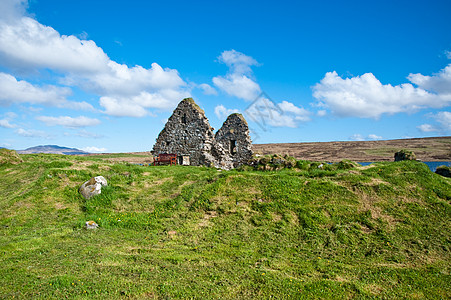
{"points": [[104, 76]]}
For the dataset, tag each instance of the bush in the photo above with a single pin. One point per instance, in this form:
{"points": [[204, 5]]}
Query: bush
{"points": [[345, 165], [444, 171], [405, 155]]}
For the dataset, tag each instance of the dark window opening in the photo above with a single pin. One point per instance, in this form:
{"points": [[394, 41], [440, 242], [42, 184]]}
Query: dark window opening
{"points": [[232, 146], [168, 143], [184, 119]]}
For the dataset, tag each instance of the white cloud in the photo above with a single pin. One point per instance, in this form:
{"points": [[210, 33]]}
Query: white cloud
{"points": [[238, 81], [222, 113], [122, 108], [439, 83], [5, 124], [321, 113], [299, 113], [427, 128], [10, 115], [207, 89], [86, 134], [238, 85], [448, 54], [120, 80], [11, 10], [66, 121], [357, 137], [29, 45], [265, 112], [366, 97], [136, 106], [20, 91], [94, 149], [33, 133], [374, 137], [443, 119], [30, 109], [5, 145], [238, 62], [83, 36]]}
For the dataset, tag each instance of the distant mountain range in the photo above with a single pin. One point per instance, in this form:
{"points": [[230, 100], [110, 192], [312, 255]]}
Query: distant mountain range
{"points": [[52, 149]]}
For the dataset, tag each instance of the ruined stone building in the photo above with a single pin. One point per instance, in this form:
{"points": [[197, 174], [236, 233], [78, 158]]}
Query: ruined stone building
{"points": [[188, 134]]}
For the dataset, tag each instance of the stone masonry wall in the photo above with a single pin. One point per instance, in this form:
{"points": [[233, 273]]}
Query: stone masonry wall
{"points": [[235, 139]]}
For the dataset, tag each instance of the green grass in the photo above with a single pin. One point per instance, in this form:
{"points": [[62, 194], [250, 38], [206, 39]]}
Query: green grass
{"points": [[339, 232], [115, 155]]}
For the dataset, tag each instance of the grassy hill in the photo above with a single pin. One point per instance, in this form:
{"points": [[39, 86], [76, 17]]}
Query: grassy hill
{"points": [[341, 232]]}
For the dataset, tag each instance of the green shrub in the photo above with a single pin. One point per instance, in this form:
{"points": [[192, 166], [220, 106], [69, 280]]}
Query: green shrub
{"points": [[345, 165], [444, 171], [404, 155]]}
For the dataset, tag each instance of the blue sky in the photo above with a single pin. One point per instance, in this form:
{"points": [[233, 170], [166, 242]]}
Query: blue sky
{"points": [[104, 76]]}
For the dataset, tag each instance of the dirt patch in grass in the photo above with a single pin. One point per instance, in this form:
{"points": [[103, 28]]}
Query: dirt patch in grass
{"points": [[276, 217], [374, 289], [59, 206], [294, 219], [23, 204], [365, 229], [368, 203], [148, 184], [377, 181], [206, 219], [81, 165]]}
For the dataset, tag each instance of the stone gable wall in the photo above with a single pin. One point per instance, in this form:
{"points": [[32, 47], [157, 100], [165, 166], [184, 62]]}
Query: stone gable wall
{"points": [[235, 139]]}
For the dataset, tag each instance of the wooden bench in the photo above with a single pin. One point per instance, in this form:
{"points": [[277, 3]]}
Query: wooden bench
{"points": [[165, 158]]}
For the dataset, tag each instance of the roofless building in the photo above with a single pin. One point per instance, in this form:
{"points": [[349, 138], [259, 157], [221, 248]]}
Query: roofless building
{"points": [[188, 134]]}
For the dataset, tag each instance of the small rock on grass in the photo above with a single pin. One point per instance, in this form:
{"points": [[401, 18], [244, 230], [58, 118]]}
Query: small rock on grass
{"points": [[92, 187], [91, 225]]}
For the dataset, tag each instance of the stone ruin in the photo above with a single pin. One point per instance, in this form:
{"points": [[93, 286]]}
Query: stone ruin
{"points": [[188, 134]]}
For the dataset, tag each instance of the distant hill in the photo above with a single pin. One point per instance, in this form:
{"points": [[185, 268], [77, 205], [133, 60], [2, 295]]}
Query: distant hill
{"points": [[426, 149], [54, 149]]}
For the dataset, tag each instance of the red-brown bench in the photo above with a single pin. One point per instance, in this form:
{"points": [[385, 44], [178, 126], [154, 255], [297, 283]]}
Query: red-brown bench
{"points": [[165, 159]]}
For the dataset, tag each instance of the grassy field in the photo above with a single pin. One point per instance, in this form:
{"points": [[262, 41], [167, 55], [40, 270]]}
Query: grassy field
{"points": [[340, 232]]}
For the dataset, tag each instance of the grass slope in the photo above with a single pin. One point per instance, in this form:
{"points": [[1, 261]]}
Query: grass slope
{"points": [[189, 232]]}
